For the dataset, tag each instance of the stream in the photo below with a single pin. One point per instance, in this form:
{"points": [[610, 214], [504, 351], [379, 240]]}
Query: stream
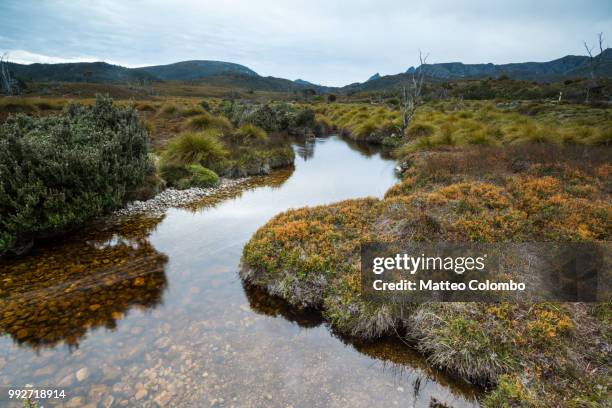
{"points": [[151, 312]]}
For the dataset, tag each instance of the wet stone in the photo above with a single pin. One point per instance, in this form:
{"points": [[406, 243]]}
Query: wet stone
{"points": [[163, 343], [140, 394], [82, 374]]}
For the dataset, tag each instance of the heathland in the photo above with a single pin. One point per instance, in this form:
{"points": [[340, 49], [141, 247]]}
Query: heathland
{"points": [[483, 160]]}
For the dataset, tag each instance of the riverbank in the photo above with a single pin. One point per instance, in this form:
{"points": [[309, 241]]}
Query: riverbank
{"points": [[176, 198], [530, 354]]}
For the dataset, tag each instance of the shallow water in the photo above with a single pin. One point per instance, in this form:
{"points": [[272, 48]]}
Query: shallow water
{"points": [[150, 311]]}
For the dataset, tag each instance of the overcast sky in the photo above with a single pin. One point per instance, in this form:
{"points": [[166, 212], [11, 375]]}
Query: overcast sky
{"points": [[327, 42]]}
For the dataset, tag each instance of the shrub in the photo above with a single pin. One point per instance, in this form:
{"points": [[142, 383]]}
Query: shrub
{"points": [[205, 105], [57, 172], [198, 176], [194, 148], [304, 118]]}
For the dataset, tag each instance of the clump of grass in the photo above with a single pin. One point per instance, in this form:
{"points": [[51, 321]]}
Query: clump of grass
{"points": [[249, 134], [145, 107], [202, 148], [191, 111], [418, 129], [206, 120], [169, 109]]}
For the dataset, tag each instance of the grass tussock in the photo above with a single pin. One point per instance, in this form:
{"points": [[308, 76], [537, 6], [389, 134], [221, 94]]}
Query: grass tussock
{"points": [[191, 148], [206, 120]]}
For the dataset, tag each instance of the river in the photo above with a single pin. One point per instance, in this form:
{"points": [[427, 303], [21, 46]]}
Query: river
{"points": [[151, 311]]}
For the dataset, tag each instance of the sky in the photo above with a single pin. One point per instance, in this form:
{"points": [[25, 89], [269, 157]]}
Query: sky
{"points": [[330, 42]]}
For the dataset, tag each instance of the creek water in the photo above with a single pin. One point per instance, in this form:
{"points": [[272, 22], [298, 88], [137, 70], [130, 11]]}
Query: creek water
{"points": [[150, 311]]}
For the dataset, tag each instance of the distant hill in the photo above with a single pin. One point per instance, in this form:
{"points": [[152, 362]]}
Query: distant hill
{"points": [[229, 75], [190, 70], [210, 72], [562, 68], [97, 72], [373, 77]]}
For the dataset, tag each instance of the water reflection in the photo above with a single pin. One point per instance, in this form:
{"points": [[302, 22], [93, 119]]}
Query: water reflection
{"points": [[264, 304], [393, 353], [90, 281], [183, 329]]}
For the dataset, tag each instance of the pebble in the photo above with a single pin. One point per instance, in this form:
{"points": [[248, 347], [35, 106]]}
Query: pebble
{"points": [[173, 198], [140, 394], [163, 343], [75, 402], [82, 374], [108, 401], [162, 399], [66, 381]]}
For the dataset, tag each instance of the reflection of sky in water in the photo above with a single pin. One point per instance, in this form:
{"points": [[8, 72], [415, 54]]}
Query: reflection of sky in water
{"points": [[205, 308]]}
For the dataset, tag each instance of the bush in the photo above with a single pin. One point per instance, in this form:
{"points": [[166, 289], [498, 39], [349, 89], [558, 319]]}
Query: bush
{"points": [[198, 176], [59, 171], [194, 148]]}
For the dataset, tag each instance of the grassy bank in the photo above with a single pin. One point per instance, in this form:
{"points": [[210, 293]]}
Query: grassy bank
{"points": [[459, 123], [516, 187]]}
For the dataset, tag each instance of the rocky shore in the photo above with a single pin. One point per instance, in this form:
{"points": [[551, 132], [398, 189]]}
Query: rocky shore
{"points": [[176, 198]]}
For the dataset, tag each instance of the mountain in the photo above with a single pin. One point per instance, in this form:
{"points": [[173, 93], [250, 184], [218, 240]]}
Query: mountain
{"points": [[230, 75], [302, 82], [562, 68], [198, 69], [98, 72], [225, 74]]}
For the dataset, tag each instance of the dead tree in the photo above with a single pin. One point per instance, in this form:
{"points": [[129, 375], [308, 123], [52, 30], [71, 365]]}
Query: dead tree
{"points": [[594, 61], [411, 96], [6, 82]]}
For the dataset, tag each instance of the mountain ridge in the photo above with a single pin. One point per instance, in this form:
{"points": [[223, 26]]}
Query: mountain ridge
{"points": [[232, 74]]}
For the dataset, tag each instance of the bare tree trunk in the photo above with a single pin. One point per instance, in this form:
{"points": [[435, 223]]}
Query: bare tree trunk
{"points": [[6, 81], [593, 65], [412, 94]]}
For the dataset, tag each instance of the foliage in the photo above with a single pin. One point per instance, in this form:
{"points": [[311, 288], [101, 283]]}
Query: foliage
{"points": [[270, 116], [57, 172]]}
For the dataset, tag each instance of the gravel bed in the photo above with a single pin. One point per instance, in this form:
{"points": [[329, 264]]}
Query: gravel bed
{"points": [[175, 198]]}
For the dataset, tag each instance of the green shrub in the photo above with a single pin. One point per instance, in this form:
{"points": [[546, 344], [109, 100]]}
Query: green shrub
{"points": [[57, 172], [194, 148], [198, 176]]}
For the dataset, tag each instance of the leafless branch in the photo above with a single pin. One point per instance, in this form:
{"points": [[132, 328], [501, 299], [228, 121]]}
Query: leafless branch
{"points": [[412, 93]]}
